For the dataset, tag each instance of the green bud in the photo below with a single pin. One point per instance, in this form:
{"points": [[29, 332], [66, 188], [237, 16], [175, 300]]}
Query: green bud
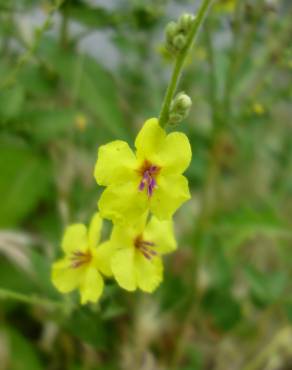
{"points": [[171, 31], [179, 42], [176, 33], [182, 102], [179, 108], [185, 22]]}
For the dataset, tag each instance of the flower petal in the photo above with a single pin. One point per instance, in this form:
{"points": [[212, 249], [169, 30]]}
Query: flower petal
{"points": [[102, 258], [175, 153], [123, 203], [91, 286], [161, 233], [115, 163], [75, 238], [149, 140], [123, 268], [171, 193], [65, 278], [94, 230], [149, 272]]}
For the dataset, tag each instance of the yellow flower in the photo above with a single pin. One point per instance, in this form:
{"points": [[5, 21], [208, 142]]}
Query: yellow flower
{"points": [[151, 179], [83, 261], [136, 253], [258, 108]]}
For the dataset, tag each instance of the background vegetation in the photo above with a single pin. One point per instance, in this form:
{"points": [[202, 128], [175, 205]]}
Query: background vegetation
{"points": [[79, 74]]}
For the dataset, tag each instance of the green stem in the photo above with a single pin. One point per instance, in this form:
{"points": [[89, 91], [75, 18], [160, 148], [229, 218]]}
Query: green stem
{"points": [[10, 295], [176, 73]]}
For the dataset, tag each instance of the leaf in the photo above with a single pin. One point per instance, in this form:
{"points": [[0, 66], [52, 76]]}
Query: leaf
{"points": [[12, 278], [223, 308], [88, 327], [195, 358], [245, 223], [96, 17], [288, 310], [38, 82], [11, 102], [265, 288], [22, 353], [47, 125], [113, 311], [220, 268], [24, 179], [90, 85]]}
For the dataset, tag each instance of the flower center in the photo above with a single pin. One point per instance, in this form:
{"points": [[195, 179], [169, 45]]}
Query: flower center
{"points": [[148, 171], [145, 247], [79, 258]]}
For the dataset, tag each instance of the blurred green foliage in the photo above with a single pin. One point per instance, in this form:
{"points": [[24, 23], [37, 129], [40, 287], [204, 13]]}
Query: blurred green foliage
{"points": [[93, 73]]}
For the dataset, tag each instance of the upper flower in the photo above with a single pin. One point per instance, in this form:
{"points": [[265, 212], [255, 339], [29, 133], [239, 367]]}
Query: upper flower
{"points": [[80, 267], [151, 179], [136, 253]]}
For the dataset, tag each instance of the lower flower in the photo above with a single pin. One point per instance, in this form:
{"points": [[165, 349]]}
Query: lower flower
{"points": [[136, 253], [84, 261]]}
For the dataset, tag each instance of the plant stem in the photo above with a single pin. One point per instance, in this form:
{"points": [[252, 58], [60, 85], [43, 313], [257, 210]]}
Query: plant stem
{"points": [[176, 73], [8, 294]]}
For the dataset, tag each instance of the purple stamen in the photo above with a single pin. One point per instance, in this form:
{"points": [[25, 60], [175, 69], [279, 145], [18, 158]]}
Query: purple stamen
{"points": [[145, 242], [142, 185], [148, 172], [79, 258], [145, 247]]}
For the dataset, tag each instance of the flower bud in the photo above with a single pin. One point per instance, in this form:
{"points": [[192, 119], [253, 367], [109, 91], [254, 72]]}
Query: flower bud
{"points": [[171, 31], [185, 21], [179, 42], [182, 102], [179, 108], [176, 33]]}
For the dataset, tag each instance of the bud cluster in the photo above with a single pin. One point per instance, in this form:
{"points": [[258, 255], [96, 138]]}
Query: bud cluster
{"points": [[179, 108], [176, 33]]}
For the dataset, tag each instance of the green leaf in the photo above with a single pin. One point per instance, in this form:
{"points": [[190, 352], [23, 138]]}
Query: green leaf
{"points": [[92, 17], [24, 179], [91, 86], [88, 327], [13, 278], [288, 309], [220, 268], [22, 353], [47, 125], [37, 82], [195, 359], [245, 223], [11, 102], [223, 308], [265, 288]]}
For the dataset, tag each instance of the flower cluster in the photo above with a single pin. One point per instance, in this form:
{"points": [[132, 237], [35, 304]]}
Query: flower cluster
{"points": [[142, 191], [176, 33]]}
